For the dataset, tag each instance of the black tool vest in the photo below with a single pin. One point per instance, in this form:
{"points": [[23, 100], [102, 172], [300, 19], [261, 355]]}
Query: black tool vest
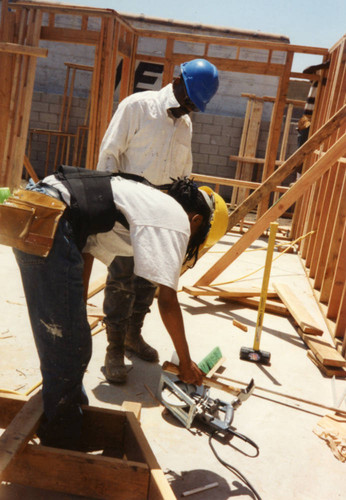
{"points": [[92, 209]]}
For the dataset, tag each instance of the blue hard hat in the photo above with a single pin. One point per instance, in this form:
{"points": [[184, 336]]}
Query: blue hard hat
{"points": [[201, 81]]}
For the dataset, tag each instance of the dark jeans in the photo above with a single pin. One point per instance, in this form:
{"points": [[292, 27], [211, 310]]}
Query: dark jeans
{"points": [[127, 298], [54, 293]]}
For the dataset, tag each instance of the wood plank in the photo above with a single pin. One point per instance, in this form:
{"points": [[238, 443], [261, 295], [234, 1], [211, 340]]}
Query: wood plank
{"points": [[159, 489], [240, 325], [287, 167], [30, 170], [10, 405], [70, 35], [324, 351], [236, 291], [96, 286], [272, 306], [134, 407], [27, 50], [327, 370], [250, 159], [340, 327], [19, 431], [339, 281], [317, 251], [249, 148], [235, 42], [297, 309], [79, 473], [275, 130], [223, 181], [335, 242], [286, 200]]}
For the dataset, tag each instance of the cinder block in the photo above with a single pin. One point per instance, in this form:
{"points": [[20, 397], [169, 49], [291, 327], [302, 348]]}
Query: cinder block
{"points": [[220, 140], [222, 120], [201, 138], [203, 118], [42, 107], [209, 149], [217, 160], [212, 129]]}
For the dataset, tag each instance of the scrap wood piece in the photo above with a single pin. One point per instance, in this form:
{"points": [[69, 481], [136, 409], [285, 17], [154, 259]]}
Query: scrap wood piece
{"points": [[299, 312], [240, 325], [20, 430], [134, 407], [97, 286], [323, 351], [332, 428], [95, 311], [329, 371], [272, 306], [237, 291], [93, 321]]}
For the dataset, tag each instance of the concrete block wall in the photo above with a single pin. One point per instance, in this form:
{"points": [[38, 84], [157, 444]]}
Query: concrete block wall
{"points": [[215, 137]]}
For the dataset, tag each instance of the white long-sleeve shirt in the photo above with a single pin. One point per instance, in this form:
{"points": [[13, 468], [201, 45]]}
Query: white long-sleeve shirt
{"points": [[143, 138]]}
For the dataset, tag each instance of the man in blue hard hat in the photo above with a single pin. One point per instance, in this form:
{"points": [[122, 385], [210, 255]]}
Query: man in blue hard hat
{"points": [[150, 136]]}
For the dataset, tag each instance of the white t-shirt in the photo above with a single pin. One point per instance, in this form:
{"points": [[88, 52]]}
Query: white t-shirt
{"points": [[144, 139], [158, 235]]}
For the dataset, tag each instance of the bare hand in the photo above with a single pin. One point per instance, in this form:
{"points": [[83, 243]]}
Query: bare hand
{"points": [[190, 373]]}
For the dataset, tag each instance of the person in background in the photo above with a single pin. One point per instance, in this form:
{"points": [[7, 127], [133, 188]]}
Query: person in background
{"points": [[149, 136]]}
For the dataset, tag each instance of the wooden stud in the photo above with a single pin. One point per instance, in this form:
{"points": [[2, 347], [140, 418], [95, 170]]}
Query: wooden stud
{"points": [[286, 168], [294, 193]]}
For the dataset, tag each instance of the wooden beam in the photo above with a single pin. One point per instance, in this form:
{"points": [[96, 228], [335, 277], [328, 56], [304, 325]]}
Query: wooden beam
{"points": [[223, 181], [339, 279], [287, 167], [272, 306], [19, 431], [227, 292], [250, 159], [234, 42], [297, 309], [70, 35], [79, 473], [26, 50], [324, 352], [275, 130], [286, 200]]}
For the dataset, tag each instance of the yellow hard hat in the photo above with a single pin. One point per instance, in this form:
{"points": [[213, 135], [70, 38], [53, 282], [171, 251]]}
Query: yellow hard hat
{"points": [[219, 221]]}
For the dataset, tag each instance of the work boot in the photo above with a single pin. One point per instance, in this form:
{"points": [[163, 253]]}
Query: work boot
{"points": [[115, 366], [114, 362], [136, 344]]}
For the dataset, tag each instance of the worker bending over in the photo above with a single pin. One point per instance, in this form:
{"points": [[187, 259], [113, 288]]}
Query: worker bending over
{"points": [[164, 230], [149, 135]]}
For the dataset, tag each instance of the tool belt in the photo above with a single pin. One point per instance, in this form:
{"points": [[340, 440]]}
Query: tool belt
{"points": [[29, 220]]}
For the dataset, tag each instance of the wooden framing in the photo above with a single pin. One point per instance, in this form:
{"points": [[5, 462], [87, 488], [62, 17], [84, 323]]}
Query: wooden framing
{"points": [[319, 200], [119, 458]]}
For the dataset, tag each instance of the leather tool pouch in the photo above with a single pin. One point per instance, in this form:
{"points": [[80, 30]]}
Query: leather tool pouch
{"points": [[29, 220]]}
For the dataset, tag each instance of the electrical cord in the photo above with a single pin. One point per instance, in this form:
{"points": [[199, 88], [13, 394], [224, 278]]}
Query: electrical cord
{"points": [[231, 468]]}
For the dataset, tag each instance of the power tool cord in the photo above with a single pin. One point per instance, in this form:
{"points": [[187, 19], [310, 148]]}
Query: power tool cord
{"points": [[231, 468]]}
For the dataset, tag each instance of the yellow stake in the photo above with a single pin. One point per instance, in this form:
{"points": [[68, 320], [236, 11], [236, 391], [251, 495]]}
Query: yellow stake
{"points": [[265, 282]]}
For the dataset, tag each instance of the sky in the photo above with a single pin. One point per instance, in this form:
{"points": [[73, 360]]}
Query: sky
{"points": [[316, 23]]}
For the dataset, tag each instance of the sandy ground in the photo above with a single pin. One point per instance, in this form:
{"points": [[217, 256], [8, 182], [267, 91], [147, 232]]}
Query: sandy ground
{"points": [[293, 463]]}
